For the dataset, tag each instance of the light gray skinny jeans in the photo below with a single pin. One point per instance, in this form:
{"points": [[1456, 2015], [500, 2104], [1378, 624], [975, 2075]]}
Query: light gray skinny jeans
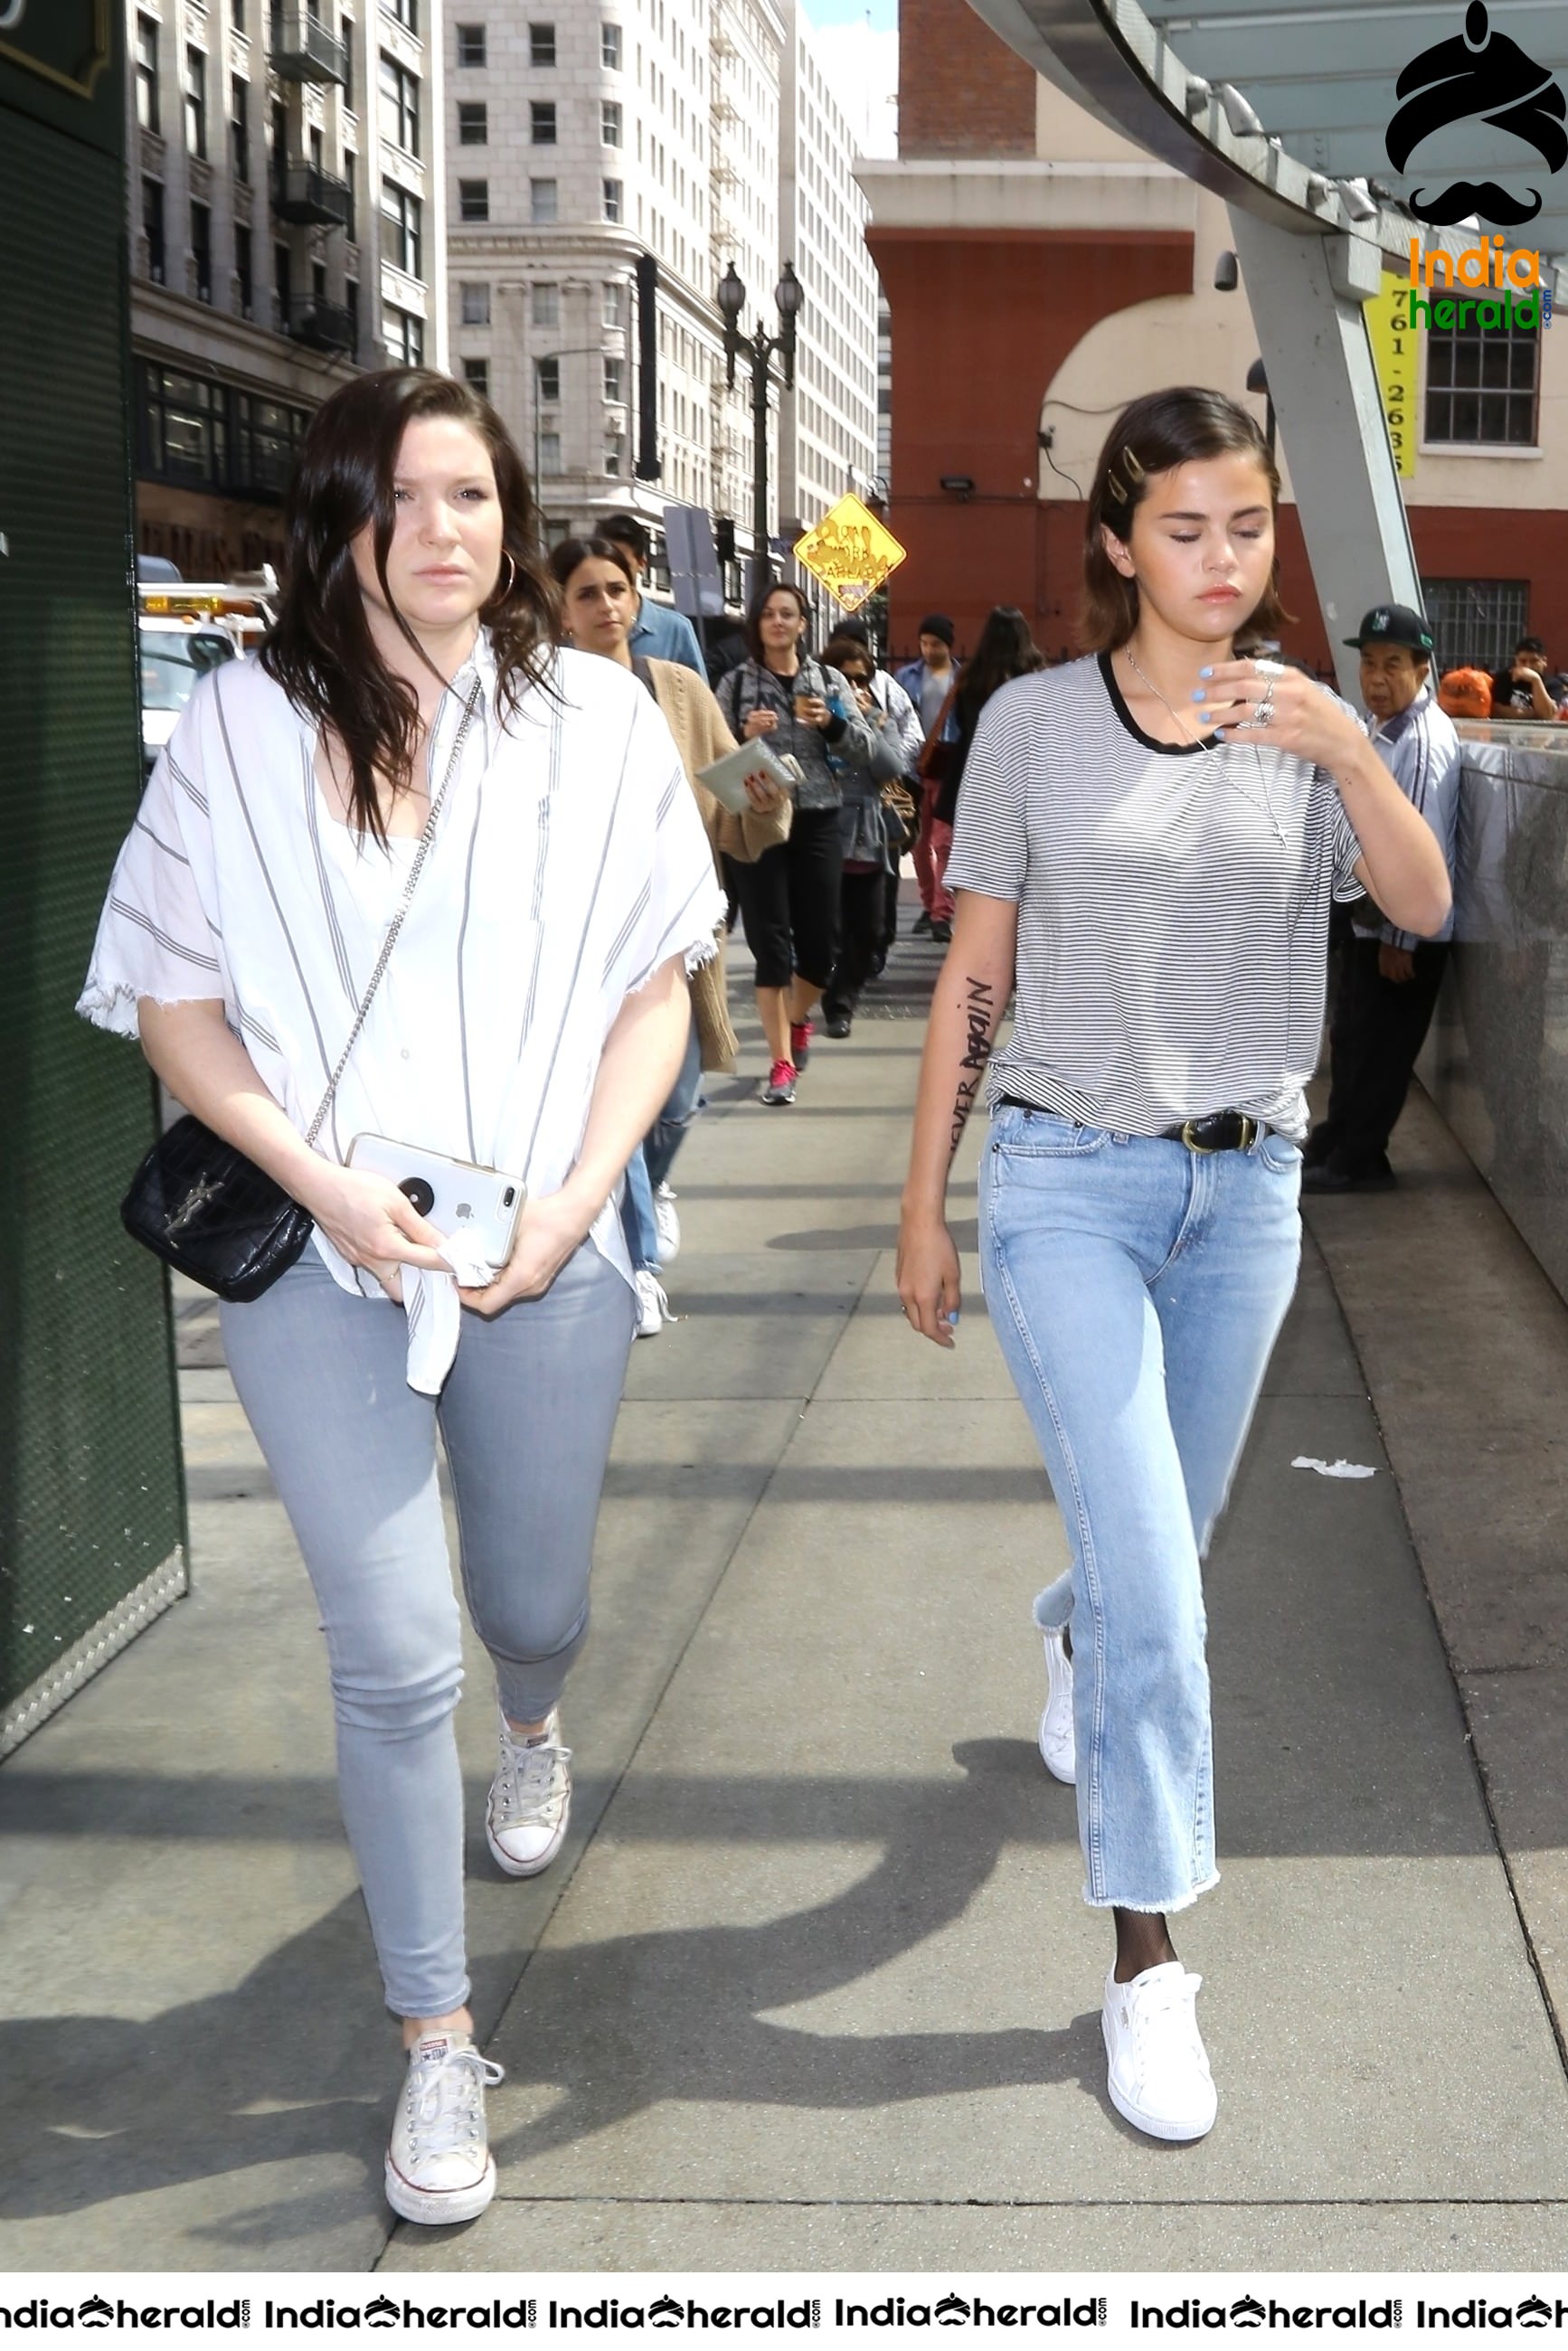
{"points": [[527, 1416]]}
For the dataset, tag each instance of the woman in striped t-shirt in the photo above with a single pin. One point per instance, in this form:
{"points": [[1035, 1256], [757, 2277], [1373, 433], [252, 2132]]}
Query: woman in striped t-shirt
{"points": [[1146, 849]]}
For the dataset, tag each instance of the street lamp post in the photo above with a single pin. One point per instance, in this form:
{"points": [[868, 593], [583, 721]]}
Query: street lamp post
{"points": [[759, 349]]}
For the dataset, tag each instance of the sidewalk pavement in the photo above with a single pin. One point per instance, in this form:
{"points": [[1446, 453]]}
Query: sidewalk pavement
{"points": [[812, 1985]]}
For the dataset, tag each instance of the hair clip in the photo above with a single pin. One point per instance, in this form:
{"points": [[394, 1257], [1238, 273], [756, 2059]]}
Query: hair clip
{"points": [[1135, 471], [1116, 494]]}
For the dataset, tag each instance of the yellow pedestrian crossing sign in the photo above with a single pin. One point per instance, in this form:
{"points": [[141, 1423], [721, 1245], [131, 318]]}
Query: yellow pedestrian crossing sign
{"points": [[848, 552]]}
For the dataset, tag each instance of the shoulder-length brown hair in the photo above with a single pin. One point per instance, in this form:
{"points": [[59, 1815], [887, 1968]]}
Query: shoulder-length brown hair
{"points": [[321, 649], [1162, 430]]}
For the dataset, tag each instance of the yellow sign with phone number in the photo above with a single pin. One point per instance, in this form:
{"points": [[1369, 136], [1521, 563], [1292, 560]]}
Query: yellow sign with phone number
{"points": [[848, 552], [1394, 355]]}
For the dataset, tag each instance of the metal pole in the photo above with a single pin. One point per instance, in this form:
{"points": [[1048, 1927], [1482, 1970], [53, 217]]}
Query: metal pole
{"points": [[761, 568]]}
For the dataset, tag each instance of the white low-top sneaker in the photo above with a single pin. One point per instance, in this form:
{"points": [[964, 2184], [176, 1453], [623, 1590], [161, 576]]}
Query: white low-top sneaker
{"points": [[652, 1306], [1159, 2077], [530, 1800], [1056, 1744], [439, 2167], [666, 1224]]}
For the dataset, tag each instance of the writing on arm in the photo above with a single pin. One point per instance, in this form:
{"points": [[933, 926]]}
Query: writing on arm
{"points": [[980, 1018]]}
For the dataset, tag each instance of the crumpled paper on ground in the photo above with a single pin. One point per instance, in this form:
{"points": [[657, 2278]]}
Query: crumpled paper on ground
{"points": [[1340, 1469]]}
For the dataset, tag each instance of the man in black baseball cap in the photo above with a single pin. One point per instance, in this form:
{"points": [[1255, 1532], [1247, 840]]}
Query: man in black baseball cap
{"points": [[1389, 979]]}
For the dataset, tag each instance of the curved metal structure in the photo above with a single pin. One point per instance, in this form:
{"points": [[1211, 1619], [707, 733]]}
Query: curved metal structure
{"points": [[1281, 106]]}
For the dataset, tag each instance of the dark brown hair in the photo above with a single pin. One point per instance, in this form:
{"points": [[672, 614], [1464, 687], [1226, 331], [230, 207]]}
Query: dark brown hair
{"points": [[1162, 430], [565, 559], [321, 649], [839, 650], [1006, 650], [754, 611]]}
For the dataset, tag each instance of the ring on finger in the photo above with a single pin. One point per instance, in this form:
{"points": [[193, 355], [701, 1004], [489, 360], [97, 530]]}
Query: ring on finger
{"points": [[1264, 714]]}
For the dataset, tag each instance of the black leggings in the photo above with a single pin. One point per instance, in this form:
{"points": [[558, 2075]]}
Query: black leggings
{"points": [[789, 901]]}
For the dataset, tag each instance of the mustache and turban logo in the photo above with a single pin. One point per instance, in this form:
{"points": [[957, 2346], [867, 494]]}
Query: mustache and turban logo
{"points": [[1486, 75]]}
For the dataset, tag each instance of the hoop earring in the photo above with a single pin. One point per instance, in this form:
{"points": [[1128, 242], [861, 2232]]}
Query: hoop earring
{"points": [[501, 594]]}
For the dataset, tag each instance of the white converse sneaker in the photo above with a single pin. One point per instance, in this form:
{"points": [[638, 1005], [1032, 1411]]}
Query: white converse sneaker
{"points": [[652, 1306], [666, 1224], [439, 2165], [1159, 2077], [1055, 1745], [530, 1800]]}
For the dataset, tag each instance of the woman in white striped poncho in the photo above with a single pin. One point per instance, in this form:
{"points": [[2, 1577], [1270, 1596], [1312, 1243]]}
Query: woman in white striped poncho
{"points": [[1147, 842], [531, 1018]]}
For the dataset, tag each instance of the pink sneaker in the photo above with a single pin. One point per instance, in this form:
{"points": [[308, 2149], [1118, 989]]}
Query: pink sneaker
{"points": [[781, 1086], [800, 1034]]}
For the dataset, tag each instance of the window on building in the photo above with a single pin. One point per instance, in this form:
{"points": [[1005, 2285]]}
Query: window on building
{"points": [[351, 304], [615, 454], [543, 202], [610, 46], [152, 227], [400, 216], [267, 435], [473, 123], [615, 306], [404, 334], [239, 127], [548, 447], [614, 380], [546, 381], [1483, 384], [473, 200], [610, 121], [402, 11], [202, 251], [541, 44], [470, 45], [244, 270], [283, 284], [613, 200], [475, 299], [399, 104], [547, 306], [317, 149], [351, 174], [182, 428], [476, 376], [541, 121], [1476, 620], [147, 72], [346, 35], [196, 102], [237, 15]]}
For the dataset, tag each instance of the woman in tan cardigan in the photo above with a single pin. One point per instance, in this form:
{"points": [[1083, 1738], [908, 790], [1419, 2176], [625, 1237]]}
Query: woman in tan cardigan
{"points": [[600, 595]]}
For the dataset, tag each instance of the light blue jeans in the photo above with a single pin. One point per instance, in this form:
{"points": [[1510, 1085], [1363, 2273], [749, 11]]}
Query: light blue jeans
{"points": [[1136, 1289], [527, 1416], [651, 1162]]}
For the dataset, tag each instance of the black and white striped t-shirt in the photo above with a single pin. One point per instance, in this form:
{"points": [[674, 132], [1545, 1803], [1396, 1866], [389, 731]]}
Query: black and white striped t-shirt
{"points": [[1170, 950]]}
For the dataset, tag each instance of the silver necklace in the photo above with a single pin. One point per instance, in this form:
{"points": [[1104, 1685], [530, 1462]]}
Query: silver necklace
{"points": [[1267, 808]]}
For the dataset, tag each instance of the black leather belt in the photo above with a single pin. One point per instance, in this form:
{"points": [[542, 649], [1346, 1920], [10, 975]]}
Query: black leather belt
{"points": [[1222, 1130]]}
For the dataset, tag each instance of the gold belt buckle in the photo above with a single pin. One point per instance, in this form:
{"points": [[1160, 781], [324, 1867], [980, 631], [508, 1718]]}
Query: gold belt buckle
{"points": [[1208, 1150]]}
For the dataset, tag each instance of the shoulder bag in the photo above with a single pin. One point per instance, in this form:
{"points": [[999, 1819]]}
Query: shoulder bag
{"points": [[212, 1214]]}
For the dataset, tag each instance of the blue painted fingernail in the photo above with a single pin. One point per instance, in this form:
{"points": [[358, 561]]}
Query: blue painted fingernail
{"points": [[1220, 734], [1206, 672], [952, 1318], [1199, 693]]}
